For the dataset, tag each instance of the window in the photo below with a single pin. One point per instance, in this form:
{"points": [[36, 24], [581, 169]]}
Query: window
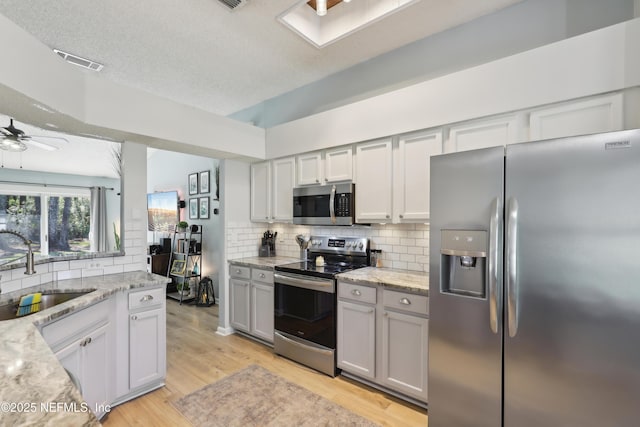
{"points": [[57, 224]]}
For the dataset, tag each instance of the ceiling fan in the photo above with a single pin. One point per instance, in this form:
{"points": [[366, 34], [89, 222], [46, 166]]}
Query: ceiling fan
{"points": [[14, 139]]}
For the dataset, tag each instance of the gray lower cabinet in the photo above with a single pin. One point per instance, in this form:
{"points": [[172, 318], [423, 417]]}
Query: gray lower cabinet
{"points": [[382, 338], [240, 301], [404, 353], [356, 346], [83, 342], [251, 301]]}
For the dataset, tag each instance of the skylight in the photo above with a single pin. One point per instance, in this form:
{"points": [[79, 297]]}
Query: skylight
{"points": [[341, 20]]}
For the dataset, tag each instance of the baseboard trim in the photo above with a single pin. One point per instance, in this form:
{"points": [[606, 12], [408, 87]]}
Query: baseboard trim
{"points": [[224, 331]]}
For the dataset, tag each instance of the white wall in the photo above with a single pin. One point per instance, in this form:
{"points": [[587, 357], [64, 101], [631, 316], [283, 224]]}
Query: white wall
{"points": [[168, 171], [520, 27], [597, 62]]}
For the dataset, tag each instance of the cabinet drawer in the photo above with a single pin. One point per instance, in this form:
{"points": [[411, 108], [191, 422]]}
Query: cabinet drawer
{"points": [[356, 292], [262, 275], [76, 323], [405, 301], [239, 271], [146, 298]]}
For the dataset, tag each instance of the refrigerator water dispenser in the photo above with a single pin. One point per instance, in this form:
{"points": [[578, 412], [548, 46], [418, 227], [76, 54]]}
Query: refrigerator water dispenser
{"points": [[464, 262]]}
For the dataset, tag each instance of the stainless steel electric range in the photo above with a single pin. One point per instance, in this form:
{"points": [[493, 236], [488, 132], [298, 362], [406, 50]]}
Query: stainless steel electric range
{"points": [[305, 300]]}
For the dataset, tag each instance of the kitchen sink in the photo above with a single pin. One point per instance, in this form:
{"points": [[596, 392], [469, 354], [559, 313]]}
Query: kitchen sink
{"points": [[48, 300]]}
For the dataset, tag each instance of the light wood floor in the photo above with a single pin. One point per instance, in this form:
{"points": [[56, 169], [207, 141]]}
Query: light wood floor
{"points": [[197, 356]]}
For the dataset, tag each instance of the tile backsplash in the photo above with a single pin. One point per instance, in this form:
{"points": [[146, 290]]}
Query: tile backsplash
{"points": [[404, 246]]}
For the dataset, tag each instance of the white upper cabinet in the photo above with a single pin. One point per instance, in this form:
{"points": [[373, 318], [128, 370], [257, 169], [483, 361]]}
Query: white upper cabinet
{"points": [[411, 183], [322, 167], [374, 180], [272, 190], [283, 181], [601, 114], [338, 164], [310, 168], [260, 191], [482, 134]]}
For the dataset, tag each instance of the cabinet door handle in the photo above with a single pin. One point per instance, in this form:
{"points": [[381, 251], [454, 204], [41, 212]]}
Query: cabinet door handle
{"points": [[405, 301], [146, 298], [356, 292], [317, 181], [387, 216], [262, 276], [134, 317], [89, 340], [401, 216], [83, 342], [237, 271]]}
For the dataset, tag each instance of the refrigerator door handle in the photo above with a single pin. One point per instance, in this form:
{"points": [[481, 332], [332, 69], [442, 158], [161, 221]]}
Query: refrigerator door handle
{"points": [[511, 266], [495, 298]]}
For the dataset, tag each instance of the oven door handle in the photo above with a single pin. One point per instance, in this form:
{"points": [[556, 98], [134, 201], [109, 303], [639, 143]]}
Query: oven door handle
{"points": [[322, 285]]}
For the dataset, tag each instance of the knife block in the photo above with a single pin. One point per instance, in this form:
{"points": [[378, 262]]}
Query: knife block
{"points": [[267, 247]]}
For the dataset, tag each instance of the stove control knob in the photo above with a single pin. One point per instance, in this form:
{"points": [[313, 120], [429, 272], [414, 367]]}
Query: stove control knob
{"points": [[360, 245]]}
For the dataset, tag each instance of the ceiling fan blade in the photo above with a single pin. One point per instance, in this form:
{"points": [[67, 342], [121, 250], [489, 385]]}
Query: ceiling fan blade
{"points": [[39, 144], [53, 138]]}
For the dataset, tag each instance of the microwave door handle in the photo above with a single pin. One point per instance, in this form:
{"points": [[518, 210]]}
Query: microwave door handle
{"points": [[332, 203]]}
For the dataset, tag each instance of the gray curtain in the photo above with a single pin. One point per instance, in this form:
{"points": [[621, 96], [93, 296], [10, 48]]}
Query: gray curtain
{"points": [[98, 233]]}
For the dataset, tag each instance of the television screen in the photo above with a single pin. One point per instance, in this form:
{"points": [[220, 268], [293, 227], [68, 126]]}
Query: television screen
{"points": [[162, 211]]}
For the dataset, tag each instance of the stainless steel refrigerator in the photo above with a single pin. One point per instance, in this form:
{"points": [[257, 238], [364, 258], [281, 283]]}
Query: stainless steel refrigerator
{"points": [[535, 284]]}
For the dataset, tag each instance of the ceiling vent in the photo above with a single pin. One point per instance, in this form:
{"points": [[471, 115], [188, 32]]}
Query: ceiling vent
{"points": [[233, 4], [79, 61]]}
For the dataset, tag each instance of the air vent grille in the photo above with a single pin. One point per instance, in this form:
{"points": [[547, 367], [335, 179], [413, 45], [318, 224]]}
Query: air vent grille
{"points": [[79, 61], [233, 4]]}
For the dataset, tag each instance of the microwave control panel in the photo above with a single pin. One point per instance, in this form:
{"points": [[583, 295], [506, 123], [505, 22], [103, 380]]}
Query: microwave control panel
{"points": [[343, 204]]}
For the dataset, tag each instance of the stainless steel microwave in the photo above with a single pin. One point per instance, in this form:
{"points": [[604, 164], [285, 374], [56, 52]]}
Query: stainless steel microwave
{"points": [[332, 204]]}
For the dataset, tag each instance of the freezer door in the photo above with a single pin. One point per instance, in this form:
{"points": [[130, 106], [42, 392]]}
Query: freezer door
{"points": [[573, 282], [465, 332]]}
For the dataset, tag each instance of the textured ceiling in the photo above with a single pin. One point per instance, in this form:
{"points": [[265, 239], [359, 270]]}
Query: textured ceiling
{"points": [[199, 53]]}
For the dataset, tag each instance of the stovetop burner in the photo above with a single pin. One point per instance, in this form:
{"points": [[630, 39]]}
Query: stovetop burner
{"points": [[340, 254]]}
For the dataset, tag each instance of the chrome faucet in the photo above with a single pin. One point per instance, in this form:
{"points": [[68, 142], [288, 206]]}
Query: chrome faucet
{"points": [[30, 262]]}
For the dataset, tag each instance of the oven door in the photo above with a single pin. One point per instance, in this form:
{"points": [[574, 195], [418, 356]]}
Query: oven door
{"points": [[305, 307]]}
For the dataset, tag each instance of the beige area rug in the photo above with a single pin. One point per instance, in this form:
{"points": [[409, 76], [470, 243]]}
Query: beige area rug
{"points": [[256, 397]]}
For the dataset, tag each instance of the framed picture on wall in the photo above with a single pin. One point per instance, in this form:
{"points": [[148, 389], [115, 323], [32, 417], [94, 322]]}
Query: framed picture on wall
{"points": [[193, 184], [205, 179], [204, 207], [193, 208]]}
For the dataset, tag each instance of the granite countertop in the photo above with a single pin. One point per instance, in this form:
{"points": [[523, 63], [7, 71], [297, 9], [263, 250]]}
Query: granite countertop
{"points": [[264, 262], [403, 280], [36, 389]]}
